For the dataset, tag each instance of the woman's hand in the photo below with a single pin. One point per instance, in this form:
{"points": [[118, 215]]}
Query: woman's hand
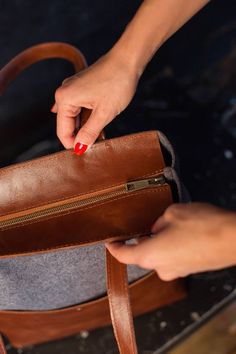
{"points": [[106, 88], [188, 238]]}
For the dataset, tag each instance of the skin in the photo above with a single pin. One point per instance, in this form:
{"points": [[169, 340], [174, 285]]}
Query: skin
{"points": [[108, 85], [188, 238]]}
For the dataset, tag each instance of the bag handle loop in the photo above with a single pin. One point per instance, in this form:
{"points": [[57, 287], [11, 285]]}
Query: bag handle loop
{"points": [[40, 52], [120, 306], [117, 282]]}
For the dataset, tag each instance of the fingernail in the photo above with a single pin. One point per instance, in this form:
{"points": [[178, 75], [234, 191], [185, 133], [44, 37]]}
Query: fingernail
{"points": [[80, 148], [153, 225]]}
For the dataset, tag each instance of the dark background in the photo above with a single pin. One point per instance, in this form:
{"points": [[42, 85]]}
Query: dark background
{"points": [[188, 91]]}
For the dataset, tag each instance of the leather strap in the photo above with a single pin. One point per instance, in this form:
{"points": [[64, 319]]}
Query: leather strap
{"points": [[117, 282], [37, 53], [40, 52], [120, 308], [2, 346]]}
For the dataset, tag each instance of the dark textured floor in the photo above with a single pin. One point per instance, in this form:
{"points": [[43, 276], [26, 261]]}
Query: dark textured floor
{"points": [[188, 92]]}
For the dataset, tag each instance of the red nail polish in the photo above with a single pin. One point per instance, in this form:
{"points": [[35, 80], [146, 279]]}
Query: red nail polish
{"points": [[80, 148]]}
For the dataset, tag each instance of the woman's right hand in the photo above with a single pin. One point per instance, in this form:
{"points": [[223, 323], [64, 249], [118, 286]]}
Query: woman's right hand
{"points": [[106, 87]]}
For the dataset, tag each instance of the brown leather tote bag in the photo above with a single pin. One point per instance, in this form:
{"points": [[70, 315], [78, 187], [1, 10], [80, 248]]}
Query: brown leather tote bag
{"points": [[114, 192]]}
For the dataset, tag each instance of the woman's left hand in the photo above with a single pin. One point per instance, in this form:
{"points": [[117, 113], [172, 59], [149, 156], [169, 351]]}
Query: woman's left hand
{"points": [[187, 238]]}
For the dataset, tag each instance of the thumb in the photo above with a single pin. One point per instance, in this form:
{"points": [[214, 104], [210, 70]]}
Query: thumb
{"points": [[89, 132], [123, 253]]}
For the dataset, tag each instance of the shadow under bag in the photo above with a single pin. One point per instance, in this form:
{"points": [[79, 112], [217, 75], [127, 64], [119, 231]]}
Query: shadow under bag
{"points": [[63, 202]]}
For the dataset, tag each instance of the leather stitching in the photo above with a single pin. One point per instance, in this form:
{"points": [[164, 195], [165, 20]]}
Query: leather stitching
{"points": [[77, 195], [55, 155], [116, 325], [110, 297], [128, 308], [110, 294], [159, 190], [74, 308], [67, 245]]}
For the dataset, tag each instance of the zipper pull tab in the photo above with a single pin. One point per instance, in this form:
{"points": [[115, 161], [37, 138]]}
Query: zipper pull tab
{"points": [[145, 183]]}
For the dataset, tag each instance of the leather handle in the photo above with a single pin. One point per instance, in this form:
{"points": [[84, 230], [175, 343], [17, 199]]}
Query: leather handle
{"points": [[40, 52], [120, 307], [2, 346], [37, 53]]}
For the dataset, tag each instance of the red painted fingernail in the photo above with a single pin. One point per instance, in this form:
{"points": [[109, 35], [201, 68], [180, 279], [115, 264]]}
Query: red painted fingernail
{"points": [[80, 148]]}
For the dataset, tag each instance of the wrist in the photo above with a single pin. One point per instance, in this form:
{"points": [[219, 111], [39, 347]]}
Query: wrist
{"points": [[134, 55], [120, 56]]}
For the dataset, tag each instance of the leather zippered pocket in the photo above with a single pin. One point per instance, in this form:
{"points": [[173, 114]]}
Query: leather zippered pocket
{"points": [[117, 213], [78, 202]]}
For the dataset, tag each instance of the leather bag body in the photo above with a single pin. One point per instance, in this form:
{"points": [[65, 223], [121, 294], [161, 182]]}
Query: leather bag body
{"points": [[114, 192]]}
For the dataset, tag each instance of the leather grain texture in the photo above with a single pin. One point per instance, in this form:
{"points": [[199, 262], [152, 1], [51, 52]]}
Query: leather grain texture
{"points": [[63, 176], [25, 328], [120, 308]]}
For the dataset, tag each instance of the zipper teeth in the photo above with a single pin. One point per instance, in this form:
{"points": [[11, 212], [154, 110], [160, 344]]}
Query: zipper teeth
{"points": [[60, 208], [125, 189]]}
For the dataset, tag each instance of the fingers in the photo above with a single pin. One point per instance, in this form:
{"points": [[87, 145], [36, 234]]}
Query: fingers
{"points": [[67, 111], [177, 234], [123, 253], [139, 254], [66, 124], [170, 216], [68, 105], [159, 224], [89, 132], [148, 254]]}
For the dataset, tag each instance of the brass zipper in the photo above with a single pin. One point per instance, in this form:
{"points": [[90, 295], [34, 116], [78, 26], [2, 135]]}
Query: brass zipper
{"points": [[68, 206]]}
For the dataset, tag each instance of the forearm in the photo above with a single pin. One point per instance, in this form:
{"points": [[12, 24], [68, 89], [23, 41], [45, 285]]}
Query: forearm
{"points": [[153, 24], [108, 85]]}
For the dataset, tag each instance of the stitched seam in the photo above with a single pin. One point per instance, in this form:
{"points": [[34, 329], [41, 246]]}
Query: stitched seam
{"points": [[95, 146], [22, 165], [77, 195], [130, 316], [159, 190], [124, 291], [104, 238], [124, 285], [111, 303]]}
